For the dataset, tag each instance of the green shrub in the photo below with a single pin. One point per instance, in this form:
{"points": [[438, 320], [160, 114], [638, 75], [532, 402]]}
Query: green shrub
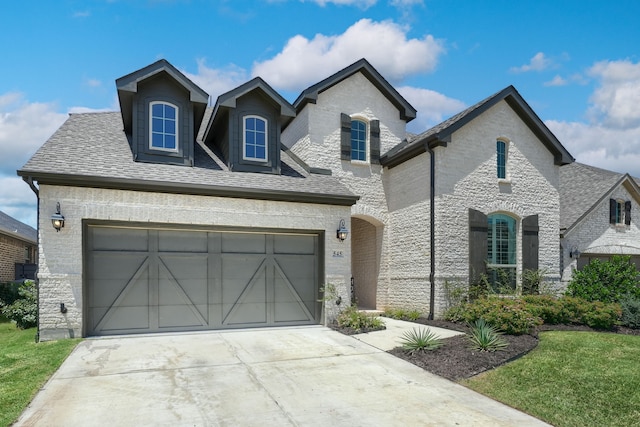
{"points": [[506, 314], [630, 312], [402, 314], [420, 339], [484, 337], [606, 281], [547, 308], [600, 315], [9, 293], [532, 281], [358, 320], [24, 310]]}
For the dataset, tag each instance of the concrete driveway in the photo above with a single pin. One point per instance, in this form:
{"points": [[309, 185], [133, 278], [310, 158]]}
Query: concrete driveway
{"points": [[303, 376]]}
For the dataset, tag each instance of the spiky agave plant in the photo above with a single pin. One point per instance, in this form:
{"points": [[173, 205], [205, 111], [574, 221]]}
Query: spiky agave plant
{"points": [[485, 337], [420, 339]]}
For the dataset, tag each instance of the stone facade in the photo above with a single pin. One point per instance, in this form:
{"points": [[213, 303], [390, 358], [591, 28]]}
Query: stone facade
{"points": [[61, 260], [594, 236]]}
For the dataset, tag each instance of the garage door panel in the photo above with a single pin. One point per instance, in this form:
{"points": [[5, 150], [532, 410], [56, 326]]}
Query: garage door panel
{"points": [[173, 280], [116, 239], [182, 241], [244, 243], [291, 244]]}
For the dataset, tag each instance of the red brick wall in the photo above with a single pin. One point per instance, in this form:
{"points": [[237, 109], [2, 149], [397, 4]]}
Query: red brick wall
{"points": [[12, 250]]}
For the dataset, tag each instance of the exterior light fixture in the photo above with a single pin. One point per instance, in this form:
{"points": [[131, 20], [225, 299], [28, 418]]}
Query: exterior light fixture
{"points": [[57, 220], [342, 232], [575, 253]]}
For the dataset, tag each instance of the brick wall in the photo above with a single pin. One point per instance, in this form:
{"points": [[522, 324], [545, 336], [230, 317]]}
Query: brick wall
{"points": [[13, 251]]}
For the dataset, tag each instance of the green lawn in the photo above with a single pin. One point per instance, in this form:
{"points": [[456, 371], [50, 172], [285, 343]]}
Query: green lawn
{"points": [[572, 379], [25, 366]]}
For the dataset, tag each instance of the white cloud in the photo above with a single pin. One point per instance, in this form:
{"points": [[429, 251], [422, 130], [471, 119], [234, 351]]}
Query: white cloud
{"points": [[218, 81], [601, 146], [539, 62], [556, 81], [433, 107], [362, 4], [18, 200], [305, 61], [24, 127], [93, 83], [615, 102]]}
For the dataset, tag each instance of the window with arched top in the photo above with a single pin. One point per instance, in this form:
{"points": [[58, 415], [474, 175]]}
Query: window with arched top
{"points": [[163, 132], [255, 134], [501, 251], [358, 140], [501, 156]]}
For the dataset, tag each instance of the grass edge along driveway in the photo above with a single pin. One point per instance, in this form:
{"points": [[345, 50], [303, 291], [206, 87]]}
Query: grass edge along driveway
{"points": [[25, 367], [572, 379]]}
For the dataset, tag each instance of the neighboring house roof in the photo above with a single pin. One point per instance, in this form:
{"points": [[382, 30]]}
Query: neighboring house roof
{"points": [[12, 227], [310, 95], [441, 133], [91, 149], [128, 86], [584, 187]]}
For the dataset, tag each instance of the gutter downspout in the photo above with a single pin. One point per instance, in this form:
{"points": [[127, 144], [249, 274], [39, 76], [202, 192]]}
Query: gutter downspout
{"points": [[29, 180], [432, 222]]}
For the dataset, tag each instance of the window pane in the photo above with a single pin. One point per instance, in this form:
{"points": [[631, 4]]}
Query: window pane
{"points": [[170, 142], [157, 140], [250, 138], [250, 123], [157, 125], [501, 159], [260, 153], [250, 151], [259, 125], [169, 112], [170, 127], [157, 110]]}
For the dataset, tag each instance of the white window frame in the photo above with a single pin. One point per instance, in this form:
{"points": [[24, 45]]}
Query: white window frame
{"points": [[177, 132], [620, 213], [494, 266], [244, 139], [507, 176], [366, 139]]}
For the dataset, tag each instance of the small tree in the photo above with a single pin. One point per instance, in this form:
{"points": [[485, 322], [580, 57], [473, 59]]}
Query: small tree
{"points": [[606, 281]]}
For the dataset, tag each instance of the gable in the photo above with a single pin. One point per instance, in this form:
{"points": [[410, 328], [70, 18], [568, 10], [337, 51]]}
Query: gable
{"points": [[161, 111], [440, 135]]}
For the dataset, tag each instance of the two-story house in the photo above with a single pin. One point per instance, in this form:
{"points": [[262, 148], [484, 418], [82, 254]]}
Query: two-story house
{"points": [[173, 215]]}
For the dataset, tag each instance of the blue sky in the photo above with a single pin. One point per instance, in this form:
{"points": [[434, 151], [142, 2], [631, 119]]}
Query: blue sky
{"points": [[577, 63]]}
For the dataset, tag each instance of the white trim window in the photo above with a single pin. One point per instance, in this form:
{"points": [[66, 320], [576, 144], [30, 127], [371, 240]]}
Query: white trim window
{"points": [[501, 257], [163, 126], [358, 140], [502, 155], [255, 137]]}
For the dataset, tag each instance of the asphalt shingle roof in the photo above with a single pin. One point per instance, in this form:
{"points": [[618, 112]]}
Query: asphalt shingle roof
{"points": [[93, 146], [20, 230], [581, 187]]}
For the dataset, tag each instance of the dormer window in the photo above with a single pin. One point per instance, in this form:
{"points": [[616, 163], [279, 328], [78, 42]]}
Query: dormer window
{"points": [[164, 125], [255, 138], [619, 212]]}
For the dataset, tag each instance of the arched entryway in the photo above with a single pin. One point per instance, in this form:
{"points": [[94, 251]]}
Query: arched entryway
{"points": [[365, 261]]}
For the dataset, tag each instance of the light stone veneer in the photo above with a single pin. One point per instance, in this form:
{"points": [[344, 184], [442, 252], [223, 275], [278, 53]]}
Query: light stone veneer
{"points": [[466, 178], [594, 235], [60, 262], [314, 136]]}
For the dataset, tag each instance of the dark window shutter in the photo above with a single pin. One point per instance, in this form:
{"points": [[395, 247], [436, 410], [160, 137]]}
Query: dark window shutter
{"points": [[627, 212], [478, 227], [530, 243], [612, 211], [345, 137], [374, 141]]}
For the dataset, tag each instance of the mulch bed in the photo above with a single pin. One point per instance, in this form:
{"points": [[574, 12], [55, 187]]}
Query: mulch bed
{"points": [[455, 361]]}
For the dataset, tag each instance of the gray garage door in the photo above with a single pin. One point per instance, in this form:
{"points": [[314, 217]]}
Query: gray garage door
{"points": [[154, 280]]}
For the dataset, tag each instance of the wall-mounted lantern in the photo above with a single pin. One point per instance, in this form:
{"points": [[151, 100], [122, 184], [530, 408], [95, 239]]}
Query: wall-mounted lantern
{"points": [[57, 220], [342, 232]]}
